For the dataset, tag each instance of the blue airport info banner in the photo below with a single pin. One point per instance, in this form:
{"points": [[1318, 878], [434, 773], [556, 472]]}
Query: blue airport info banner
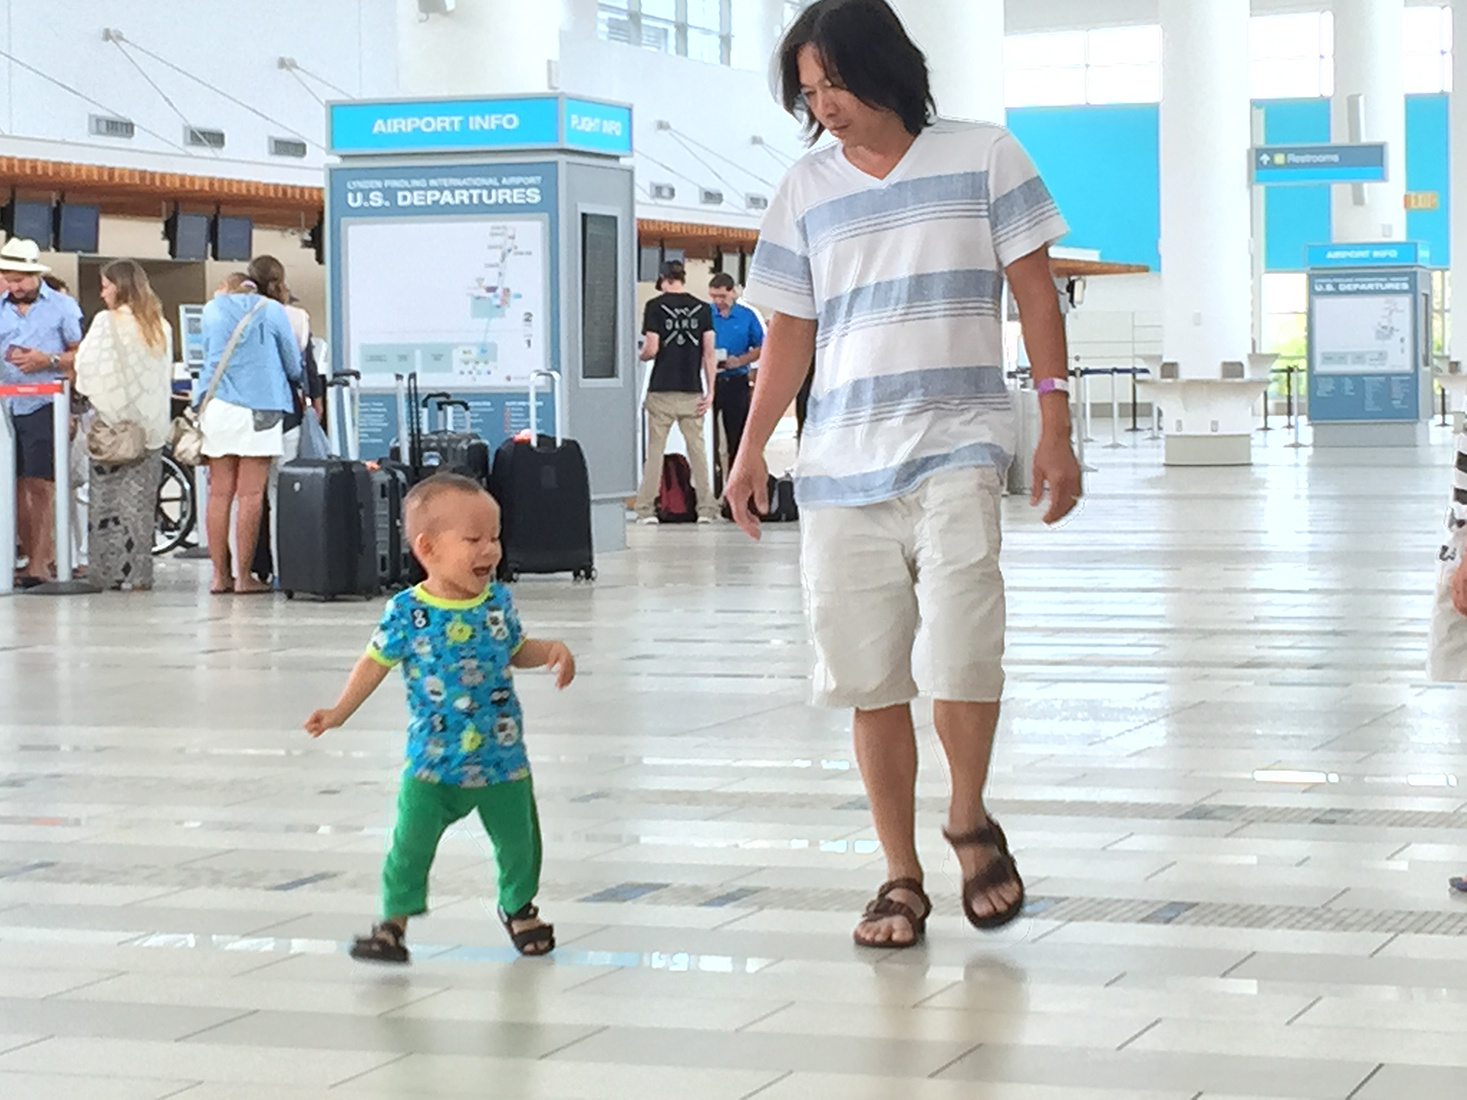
{"points": [[1369, 254], [1365, 344], [387, 127], [1364, 163]]}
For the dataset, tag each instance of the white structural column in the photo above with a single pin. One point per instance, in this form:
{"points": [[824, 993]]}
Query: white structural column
{"points": [[482, 47], [1368, 65], [1458, 204], [963, 41], [1206, 126], [1206, 267], [757, 27]]}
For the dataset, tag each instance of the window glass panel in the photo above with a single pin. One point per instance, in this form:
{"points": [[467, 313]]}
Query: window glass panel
{"points": [[1421, 29], [1123, 84], [659, 35], [1422, 74], [1285, 292], [1041, 51], [705, 14], [622, 6], [660, 9], [1281, 37], [1293, 79], [1044, 87], [705, 46], [1125, 46]]}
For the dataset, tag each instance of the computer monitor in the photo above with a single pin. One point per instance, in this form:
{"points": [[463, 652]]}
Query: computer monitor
{"points": [[188, 236], [30, 221], [234, 238], [76, 225]]}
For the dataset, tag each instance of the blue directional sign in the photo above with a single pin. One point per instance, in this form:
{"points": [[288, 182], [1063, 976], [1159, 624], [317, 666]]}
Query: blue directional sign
{"points": [[517, 123], [1320, 163], [1369, 254]]}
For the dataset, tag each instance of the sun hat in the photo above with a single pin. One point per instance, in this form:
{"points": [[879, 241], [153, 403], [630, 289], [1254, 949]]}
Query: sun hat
{"points": [[23, 256]]}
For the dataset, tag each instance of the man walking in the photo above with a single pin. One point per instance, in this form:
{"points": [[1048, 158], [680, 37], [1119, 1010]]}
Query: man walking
{"points": [[737, 336], [678, 335], [893, 243], [40, 329]]}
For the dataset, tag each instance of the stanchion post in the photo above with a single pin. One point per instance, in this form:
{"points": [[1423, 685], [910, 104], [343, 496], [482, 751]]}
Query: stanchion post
{"points": [[1266, 394], [64, 584], [1135, 400], [1115, 411], [7, 500], [1444, 404], [1289, 397]]}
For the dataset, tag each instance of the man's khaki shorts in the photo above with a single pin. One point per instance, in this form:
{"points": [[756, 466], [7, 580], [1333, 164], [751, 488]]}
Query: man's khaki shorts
{"points": [[910, 582]]}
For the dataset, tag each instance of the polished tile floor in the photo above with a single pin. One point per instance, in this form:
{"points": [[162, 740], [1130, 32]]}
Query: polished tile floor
{"points": [[1234, 796]]}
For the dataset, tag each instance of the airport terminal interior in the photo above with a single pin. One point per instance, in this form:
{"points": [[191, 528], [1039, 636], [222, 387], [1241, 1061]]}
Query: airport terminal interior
{"points": [[1230, 779]]}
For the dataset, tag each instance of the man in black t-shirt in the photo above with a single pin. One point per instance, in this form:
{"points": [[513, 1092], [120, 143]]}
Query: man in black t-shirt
{"points": [[678, 331]]}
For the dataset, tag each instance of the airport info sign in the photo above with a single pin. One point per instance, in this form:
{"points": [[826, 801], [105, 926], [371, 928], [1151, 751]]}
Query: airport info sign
{"points": [[409, 126], [1320, 163]]}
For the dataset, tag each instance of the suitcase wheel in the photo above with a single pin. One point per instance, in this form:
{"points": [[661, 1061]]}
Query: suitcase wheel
{"points": [[586, 575]]}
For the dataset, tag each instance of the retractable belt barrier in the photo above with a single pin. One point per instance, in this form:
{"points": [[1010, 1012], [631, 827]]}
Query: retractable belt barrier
{"points": [[60, 395]]}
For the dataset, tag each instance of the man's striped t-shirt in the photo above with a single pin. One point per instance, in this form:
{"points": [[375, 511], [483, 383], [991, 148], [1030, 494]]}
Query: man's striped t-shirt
{"points": [[904, 276]]}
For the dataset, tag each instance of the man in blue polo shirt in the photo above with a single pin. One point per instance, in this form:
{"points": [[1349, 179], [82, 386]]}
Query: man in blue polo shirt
{"points": [[738, 335], [39, 331]]}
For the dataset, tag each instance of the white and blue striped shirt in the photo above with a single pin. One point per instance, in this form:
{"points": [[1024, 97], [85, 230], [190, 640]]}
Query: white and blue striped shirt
{"points": [[904, 276]]}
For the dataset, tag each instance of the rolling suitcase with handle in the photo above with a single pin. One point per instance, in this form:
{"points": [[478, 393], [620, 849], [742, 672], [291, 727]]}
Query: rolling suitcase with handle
{"points": [[544, 495], [447, 449], [328, 519]]}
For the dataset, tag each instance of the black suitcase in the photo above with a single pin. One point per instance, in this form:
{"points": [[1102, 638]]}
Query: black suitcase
{"points": [[448, 450], [544, 495], [396, 566], [328, 529]]}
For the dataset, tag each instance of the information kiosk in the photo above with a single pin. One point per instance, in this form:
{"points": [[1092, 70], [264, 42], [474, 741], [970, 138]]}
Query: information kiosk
{"points": [[1370, 344], [476, 242]]}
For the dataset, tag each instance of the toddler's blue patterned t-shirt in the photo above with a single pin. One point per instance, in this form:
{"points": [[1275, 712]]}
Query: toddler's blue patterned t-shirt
{"points": [[467, 727]]}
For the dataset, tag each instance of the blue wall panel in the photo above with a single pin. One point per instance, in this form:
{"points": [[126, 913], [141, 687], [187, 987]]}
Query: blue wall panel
{"points": [[1102, 164], [1427, 169], [1294, 216]]}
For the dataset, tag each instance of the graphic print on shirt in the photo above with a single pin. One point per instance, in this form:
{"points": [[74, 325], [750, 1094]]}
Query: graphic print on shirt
{"points": [[682, 324], [466, 726]]}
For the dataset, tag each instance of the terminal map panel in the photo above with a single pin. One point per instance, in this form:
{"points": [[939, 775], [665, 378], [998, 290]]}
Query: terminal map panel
{"points": [[461, 300]]}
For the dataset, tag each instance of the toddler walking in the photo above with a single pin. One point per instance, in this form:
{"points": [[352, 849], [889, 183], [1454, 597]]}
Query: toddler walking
{"points": [[457, 638]]}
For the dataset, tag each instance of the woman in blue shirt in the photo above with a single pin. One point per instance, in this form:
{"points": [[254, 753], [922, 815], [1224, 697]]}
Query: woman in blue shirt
{"points": [[242, 422]]}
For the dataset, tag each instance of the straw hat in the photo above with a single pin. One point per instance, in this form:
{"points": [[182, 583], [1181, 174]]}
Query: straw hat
{"points": [[22, 256]]}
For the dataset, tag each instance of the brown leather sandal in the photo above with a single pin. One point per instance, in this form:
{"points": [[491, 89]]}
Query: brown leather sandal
{"points": [[1000, 869], [883, 906]]}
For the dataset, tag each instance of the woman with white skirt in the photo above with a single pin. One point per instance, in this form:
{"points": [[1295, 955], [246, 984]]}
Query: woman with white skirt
{"points": [[242, 422]]}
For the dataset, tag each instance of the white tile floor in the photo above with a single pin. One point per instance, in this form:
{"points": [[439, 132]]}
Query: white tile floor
{"points": [[1234, 797]]}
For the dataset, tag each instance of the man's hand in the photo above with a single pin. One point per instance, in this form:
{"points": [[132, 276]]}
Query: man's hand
{"points": [[558, 660], [29, 360], [1459, 587], [748, 483], [322, 720], [1057, 469], [704, 404]]}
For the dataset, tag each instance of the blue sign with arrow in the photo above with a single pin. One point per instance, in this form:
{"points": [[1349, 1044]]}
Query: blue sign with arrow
{"points": [[1365, 163]]}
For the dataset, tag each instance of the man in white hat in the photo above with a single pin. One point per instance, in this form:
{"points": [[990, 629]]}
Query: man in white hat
{"points": [[39, 332]]}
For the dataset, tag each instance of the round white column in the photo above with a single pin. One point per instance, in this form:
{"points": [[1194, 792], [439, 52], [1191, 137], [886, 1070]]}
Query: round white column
{"points": [[1368, 64], [482, 47], [1457, 140], [757, 27], [963, 41], [1205, 225]]}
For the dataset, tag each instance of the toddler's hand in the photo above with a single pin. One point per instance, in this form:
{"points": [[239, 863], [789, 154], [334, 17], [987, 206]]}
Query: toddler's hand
{"points": [[560, 661], [321, 721]]}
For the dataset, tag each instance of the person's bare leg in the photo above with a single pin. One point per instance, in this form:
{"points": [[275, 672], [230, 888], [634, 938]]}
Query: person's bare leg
{"points": [[886, 751], [23, 534], [966, 732], [223, 480], [254, 473], [36, 497]]}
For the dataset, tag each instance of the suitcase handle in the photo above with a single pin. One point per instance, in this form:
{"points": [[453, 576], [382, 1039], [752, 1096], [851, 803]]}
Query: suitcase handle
{"points": [[559, 406]]}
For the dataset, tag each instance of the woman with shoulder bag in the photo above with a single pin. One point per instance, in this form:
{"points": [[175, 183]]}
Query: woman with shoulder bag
{"points": [[251, 365], [124, 367]]}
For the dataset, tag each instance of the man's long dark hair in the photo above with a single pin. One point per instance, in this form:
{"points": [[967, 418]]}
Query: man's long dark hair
{"points": [[864, 49]]}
